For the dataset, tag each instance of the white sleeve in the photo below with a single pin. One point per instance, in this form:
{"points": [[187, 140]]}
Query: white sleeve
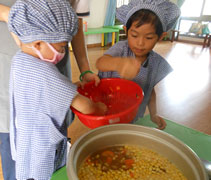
{"points": [[81, 7]]}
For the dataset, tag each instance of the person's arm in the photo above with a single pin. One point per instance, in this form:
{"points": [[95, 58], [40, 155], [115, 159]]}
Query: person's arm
{"points": [[153, 112], [127, 67], [4, 13], [79, 48], [86, 106], [80, 52]]}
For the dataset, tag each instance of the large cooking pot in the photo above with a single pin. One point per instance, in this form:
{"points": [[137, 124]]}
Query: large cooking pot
{"points": [[163, 143]]}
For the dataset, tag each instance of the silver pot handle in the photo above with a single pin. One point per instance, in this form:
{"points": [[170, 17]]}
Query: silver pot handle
{"points": [[207, 165], [68, 148]]}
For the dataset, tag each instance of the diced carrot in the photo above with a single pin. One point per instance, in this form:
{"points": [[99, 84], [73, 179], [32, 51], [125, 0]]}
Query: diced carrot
{"points": [[88, 160], [109, 160], [111, 89], [129, 162], [131, 175], [107, 153]]}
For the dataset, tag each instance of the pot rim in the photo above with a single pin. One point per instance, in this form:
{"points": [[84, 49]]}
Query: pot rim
{"points": [[124, 127]]}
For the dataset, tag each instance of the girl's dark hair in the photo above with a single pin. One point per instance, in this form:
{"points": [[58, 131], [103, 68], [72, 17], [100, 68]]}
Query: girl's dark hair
{"points": [[145, 16]]}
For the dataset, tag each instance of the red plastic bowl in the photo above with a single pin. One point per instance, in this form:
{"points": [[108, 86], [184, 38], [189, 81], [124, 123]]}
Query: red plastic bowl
{"points": [[121, 96]]}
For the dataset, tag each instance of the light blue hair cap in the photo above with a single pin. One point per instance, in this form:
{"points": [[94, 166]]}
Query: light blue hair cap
{"points": [[52, 21], [167, 12]]}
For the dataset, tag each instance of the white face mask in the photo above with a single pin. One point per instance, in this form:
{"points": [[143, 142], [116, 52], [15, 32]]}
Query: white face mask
{"points": [[56, 58]]}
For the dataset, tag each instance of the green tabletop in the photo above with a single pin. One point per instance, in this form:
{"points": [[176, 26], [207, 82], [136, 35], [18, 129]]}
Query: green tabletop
{"points": [[199, 142], [103, 30], [100, 30], [61, 174], [119, 27]]}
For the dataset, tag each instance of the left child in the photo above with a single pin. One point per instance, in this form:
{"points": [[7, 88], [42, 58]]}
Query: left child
{"points": [[40, 96]]}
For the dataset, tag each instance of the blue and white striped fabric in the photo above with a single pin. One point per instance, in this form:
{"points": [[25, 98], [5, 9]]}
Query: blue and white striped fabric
{"points": [[40, 97], [167, 11], [150, 74], [44, 20]]}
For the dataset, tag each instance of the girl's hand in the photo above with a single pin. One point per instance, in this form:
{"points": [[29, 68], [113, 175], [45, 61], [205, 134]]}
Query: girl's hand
{"points": [[88, 77], [159, 121], [128, 68], [78, 83], [100, 109], [87, 106]]}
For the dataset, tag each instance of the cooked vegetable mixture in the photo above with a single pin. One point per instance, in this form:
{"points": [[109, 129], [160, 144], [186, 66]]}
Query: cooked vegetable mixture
{"points": [[128, 163]]}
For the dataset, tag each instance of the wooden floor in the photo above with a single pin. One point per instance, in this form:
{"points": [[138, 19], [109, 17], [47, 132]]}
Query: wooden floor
{"points": [[183, 97]]}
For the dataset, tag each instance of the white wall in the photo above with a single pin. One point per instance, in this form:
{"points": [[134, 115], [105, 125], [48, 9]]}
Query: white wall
{"points": [[96, 19]]}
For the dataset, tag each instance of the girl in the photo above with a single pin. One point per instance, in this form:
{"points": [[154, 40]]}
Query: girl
{"points": [[145, 23]]}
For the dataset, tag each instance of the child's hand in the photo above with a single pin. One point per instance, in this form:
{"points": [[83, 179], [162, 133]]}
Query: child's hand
{"points": [[88, 77], [128, 68], [159, 121], [87, 106], [100, 109], [78, 84]]}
